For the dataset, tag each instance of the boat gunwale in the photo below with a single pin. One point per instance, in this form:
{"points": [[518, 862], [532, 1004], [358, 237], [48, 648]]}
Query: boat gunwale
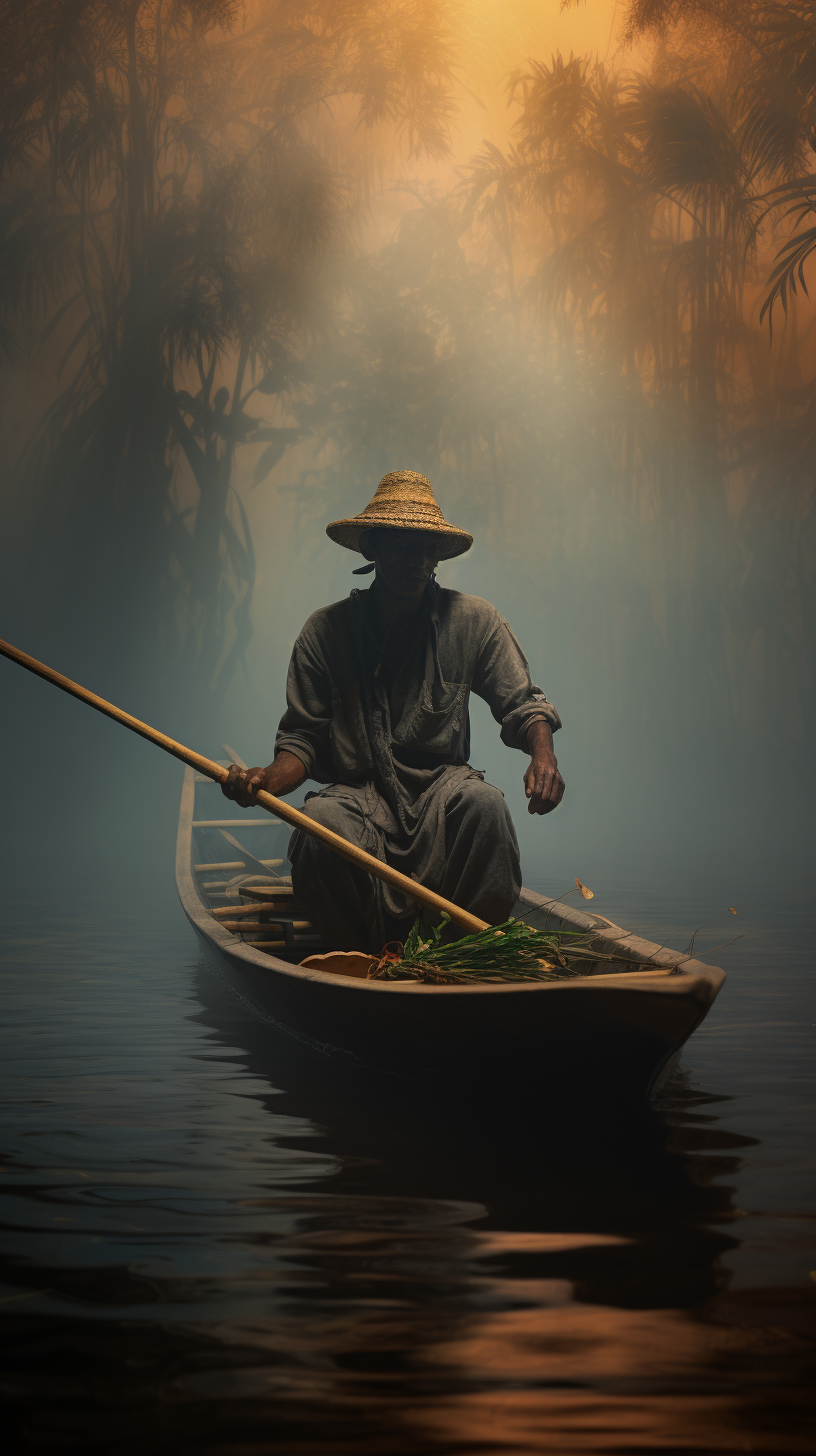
{"points": [[672, 972]]}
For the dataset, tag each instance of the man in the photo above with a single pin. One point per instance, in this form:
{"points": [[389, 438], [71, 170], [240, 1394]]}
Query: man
{"points": [[377, 709]]}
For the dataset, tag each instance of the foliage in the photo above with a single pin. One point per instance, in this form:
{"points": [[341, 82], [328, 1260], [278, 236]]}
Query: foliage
{"points": [[769, 48], [511, 951], [172, 177], [638, 203]]}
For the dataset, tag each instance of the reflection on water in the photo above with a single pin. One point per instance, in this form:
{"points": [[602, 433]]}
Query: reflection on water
{"points": [[215, 1242]]}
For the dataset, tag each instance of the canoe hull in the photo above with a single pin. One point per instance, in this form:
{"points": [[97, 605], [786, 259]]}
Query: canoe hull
{"points": [[619, 1034], [623, 1039]]}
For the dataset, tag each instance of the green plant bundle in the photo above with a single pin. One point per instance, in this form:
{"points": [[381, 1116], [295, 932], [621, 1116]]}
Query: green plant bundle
{"points": [[508, 952]]}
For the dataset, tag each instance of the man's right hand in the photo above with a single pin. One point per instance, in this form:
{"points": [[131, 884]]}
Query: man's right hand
{"points": [[242, 784], [280, 777]]}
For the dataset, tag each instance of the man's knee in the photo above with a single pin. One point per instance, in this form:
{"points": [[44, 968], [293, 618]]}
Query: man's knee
{"points": [[475, 800], [322, 811], [482, 869], [333, 813]]}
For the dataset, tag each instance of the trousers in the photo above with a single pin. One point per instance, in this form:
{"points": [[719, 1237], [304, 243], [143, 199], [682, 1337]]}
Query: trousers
{"points": [[479, 862]]}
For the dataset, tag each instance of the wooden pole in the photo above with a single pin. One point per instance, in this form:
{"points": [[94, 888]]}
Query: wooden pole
{"points": [[298, 820]]}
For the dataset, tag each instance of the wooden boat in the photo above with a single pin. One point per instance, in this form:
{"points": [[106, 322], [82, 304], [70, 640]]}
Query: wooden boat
{"points": [[617, 1033]]}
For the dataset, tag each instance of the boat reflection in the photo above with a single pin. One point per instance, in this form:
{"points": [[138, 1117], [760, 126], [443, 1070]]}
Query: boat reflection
{"points": [[649, 1173], [474, 1275], [361, 1266]]}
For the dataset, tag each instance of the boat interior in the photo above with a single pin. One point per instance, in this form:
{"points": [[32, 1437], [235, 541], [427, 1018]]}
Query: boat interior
{"points": [[243, 875]]}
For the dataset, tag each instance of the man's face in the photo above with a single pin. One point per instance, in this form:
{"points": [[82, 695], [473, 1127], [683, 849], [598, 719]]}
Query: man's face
{"points": [[404, 560]]}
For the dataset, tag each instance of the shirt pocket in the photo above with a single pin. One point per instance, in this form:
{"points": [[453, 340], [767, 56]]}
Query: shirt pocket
{"points": [[436, 725]]}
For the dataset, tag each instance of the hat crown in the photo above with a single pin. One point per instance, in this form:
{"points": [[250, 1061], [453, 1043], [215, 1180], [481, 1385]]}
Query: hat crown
{"points": [[402, 494]]}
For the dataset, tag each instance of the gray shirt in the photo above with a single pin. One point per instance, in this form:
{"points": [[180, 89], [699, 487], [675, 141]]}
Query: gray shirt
{"points": [[345, 725], [393, 745]]}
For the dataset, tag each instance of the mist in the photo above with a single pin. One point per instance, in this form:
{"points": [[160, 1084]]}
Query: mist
{"points": [[533, 269]]}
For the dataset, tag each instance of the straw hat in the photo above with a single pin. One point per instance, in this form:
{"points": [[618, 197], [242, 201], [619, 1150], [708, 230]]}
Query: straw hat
{"points": [[402, 501]]}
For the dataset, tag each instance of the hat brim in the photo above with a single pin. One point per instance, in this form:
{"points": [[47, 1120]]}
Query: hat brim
{"points": [[452, 541]]}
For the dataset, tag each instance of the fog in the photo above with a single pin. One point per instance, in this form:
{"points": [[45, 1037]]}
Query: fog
{"points": [[477, 286]]}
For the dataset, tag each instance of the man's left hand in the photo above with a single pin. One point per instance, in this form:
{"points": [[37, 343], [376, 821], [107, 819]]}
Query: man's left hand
{"points": [[543, 784]]}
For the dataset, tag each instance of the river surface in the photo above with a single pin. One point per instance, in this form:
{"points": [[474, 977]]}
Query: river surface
{"points": [[214, 1243]]}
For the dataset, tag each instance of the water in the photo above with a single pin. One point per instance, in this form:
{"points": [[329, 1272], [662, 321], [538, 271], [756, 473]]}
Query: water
{"points": [[214, 1243]]}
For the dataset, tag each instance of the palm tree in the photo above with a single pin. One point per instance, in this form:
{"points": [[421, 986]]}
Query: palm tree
{"points": [[762, 55], [636, 204], [767, 51], [172, 179]]}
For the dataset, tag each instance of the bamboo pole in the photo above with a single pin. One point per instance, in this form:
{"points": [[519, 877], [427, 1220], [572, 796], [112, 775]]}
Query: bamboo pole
{"points": [[279, 807]]}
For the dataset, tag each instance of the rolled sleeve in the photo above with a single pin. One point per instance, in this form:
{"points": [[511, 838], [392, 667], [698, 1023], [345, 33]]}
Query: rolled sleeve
{"points": [[503, 679], [305, 727]]}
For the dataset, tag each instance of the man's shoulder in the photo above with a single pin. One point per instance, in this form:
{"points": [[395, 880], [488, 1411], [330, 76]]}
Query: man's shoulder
{"points": [[326, 622], [461, 607]]}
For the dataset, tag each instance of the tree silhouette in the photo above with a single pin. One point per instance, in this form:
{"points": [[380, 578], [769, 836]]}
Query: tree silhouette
{"points": [[767, 49], [172, 175]]}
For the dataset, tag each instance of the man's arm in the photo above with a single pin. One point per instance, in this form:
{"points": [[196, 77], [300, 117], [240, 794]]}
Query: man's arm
{"points": [[282, 776], [502, 678], [305, 726], [543, 784]]}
